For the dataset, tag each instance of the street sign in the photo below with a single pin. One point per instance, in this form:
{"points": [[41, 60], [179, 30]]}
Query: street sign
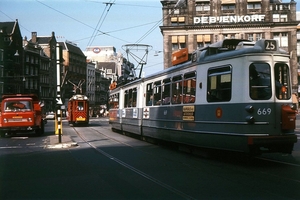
{"points": [[59, 101]]}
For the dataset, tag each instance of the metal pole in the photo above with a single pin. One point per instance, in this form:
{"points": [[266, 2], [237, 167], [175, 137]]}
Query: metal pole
{"points": [[58, 97]]}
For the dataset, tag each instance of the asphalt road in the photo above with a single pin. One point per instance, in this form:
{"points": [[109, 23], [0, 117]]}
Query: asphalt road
{"points": [[95, 163]]}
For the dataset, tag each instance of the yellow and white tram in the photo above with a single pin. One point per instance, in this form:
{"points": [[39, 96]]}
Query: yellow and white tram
{"points": [[234, 95]]}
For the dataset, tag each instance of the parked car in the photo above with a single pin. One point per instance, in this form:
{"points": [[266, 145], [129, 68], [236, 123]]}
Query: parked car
{"points": [[50, 116]]}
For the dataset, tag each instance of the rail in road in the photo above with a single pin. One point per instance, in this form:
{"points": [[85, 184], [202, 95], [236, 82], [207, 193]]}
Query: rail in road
{"points": [[108, 165], [289, 163]]}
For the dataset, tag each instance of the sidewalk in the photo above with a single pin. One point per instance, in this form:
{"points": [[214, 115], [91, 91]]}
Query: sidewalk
{"points": [[66, 142]]}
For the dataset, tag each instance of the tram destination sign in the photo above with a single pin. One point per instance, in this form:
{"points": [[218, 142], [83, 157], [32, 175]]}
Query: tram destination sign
{"points": [[228, 19]]}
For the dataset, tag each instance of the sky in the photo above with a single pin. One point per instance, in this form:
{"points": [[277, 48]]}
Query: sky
{"points": [[93, 23]]}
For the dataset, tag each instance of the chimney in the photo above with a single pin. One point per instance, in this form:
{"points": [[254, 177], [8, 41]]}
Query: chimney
{"points": [[33, 37]]}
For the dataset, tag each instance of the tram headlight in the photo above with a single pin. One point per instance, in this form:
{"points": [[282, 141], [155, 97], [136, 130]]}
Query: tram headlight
{"points": [[250, 119], [249, 108], [293, 106]]}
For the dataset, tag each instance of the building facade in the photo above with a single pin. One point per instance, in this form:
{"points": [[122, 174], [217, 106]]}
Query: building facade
{"points": [[36, 79], [90, 85], [11, 58], [73, 70], [104, 55], [193, 24], [47, 74]]}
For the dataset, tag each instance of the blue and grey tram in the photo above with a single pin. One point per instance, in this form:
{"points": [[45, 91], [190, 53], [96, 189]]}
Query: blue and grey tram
{"points": [[233, 95]]}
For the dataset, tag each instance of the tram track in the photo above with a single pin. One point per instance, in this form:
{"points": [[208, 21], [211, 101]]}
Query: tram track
{"points": [[201, 154], [277, 161], [270, 168], [130, 167]]}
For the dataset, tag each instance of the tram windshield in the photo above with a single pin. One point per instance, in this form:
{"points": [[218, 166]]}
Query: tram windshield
{"points": [[260, 81]]}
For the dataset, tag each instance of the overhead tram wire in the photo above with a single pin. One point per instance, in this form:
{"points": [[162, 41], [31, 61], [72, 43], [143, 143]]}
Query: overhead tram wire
{"points": [[122, 4], [179, 4], [107, 33], [104, 33], [15, 19], [123, 29], [92, 38], [96, 29]]}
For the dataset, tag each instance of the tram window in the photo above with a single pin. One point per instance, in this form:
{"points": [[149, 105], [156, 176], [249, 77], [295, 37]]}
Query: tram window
{"points": [[166, 89], [133, 98], [189, 88], [219, 84], [157, 93], [149, 94], [282, 83], [177, 89], [130, 98], [260, 81], [126, 99], [80, 106], [114, 101]]}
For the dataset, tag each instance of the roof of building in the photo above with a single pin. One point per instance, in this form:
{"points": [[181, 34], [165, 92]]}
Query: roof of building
{"points": [[43, 39], [8, 27], [106, 65], [71, 48]]}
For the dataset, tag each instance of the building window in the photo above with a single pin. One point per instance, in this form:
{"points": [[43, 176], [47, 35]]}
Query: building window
{"points": [[177, 21], [228, 5], [259, 36], [283, 18], [282, 39], [202, 5], [228, 36], [250, 36], [176, 12], [203, 40], [178, 42], [253, 6], [280, 18]]}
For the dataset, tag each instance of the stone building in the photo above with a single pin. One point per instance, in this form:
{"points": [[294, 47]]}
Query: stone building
{"points": [[73, 70], [193, 24], [11, 58], [48, 71], [36, 77]]}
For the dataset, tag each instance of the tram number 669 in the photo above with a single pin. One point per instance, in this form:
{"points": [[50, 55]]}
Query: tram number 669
{"points": [[264, 111]]}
